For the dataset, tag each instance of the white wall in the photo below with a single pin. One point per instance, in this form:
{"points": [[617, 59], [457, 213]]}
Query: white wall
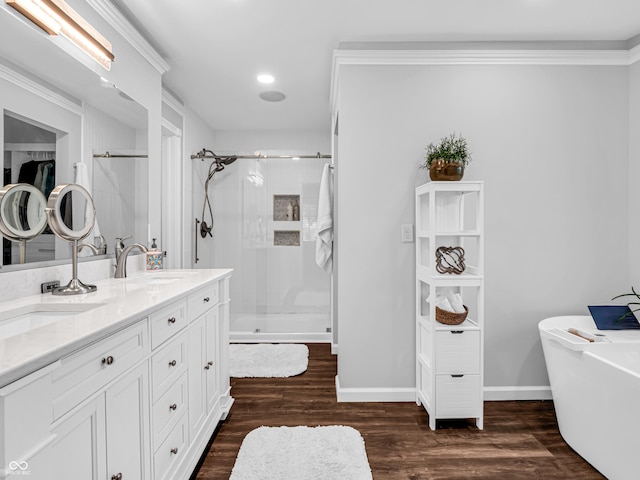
{"points": [[551, 144], [634, 176], [197, 135]]}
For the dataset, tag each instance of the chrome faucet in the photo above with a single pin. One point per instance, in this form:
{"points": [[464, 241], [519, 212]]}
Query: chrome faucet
{"points": [[120, 245], [121, 259], [90, 246]]}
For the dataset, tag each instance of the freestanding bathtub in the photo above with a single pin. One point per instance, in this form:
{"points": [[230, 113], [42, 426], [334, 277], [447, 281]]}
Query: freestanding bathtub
{"points": [[596, 392]]}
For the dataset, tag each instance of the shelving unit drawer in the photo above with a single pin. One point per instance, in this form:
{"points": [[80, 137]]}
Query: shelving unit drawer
{"points": [[167, 322], [458, 396], [457, 351], [170, 452], [168, 364], [169, 408], [203, 300], [84, 372]]}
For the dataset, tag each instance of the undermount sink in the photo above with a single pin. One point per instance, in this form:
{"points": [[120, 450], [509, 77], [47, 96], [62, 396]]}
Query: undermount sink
{"points": [[146, 280], [24, 319]]}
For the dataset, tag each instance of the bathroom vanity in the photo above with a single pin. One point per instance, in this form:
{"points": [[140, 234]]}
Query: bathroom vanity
{"points": [[128, 382]]}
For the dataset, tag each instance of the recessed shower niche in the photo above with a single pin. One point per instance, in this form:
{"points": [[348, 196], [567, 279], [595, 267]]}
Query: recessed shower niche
{"points": [[286, 238], [286, 208]]}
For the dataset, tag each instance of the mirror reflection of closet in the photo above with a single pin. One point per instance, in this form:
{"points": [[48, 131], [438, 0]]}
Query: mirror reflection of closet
{"points": [[29, 157]]}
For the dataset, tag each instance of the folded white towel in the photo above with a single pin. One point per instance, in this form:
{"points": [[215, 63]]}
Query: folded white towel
{"points": [[443, 304], [455, 299], [324, 225]]}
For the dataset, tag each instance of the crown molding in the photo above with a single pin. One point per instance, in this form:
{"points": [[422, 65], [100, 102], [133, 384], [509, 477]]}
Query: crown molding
{"points": [[172, 101], [617, 57], [112, 15], [40, 90], [634, 54]]}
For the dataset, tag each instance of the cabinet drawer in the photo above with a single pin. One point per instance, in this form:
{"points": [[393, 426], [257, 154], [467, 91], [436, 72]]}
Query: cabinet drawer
{"points": [[169, 408], [458, 351], [168, 364], [167, 322], [170, 452], [458, 396], [86, 371], [203, 299]]}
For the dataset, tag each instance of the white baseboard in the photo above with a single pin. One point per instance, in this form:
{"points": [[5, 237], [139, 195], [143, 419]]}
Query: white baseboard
{"points": [[409, 394], [334, 348], [517, 393], [374, 394]]}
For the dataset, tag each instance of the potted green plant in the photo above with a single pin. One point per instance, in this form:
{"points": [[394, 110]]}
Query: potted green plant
{"points": [[446, 160]]}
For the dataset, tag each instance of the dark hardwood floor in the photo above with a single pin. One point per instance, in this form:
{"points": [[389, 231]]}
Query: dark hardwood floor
{"points": [[520, 440]]}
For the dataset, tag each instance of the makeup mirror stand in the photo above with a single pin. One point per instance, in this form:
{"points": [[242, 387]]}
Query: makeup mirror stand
{"points": [[68, 233]]}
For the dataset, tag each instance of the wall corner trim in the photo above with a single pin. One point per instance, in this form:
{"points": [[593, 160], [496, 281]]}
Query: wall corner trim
{"points": [[517, 393], [112, 15], [374, 394]]}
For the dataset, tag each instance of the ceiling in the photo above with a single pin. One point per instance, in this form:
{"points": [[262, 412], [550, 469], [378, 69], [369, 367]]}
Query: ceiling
{"points": [[216, 48]]}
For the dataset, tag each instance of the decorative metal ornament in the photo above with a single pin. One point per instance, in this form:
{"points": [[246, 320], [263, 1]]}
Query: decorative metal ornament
{"points": [[450, 260]]}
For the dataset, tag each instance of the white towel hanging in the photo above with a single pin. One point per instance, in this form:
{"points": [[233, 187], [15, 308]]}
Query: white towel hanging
{"points": [[324, 224]]}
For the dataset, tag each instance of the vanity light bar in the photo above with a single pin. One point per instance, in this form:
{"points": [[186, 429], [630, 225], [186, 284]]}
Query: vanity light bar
{"points": [[57, 18]]}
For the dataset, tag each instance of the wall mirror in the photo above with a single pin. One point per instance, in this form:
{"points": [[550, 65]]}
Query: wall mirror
{"points": [[105, 119], [29, 159]]}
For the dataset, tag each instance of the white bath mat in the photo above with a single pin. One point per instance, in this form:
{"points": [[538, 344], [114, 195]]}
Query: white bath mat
{"points": [[267, 359], [302, 453]]}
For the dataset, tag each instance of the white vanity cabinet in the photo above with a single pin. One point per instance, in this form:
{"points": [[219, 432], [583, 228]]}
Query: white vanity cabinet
{"points": [[138, 403], [100, 408], [449, 358], [209, 399]]}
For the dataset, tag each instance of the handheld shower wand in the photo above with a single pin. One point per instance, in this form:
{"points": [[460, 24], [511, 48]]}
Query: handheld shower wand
{"points": [[216, 166]]}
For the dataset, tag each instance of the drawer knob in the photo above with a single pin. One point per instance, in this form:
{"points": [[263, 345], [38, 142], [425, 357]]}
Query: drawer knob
{"points": [[173, 406], [207, 366], [117, 476], [457, 332], [210, 363], [457, 375], [172, 320], [172, 363], [205, 299], [107, 360], [174, 450]]}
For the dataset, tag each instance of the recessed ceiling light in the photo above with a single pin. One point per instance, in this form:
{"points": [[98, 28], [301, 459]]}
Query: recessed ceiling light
{"points": [[272, 96], [266, 78]]}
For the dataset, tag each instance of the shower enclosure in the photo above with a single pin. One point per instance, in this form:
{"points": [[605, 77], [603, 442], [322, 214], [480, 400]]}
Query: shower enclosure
{"points": [[265, 212]]}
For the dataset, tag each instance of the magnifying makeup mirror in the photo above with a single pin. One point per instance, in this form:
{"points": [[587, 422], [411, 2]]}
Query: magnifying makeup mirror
{"points": [[22, 216], [71, 215]]}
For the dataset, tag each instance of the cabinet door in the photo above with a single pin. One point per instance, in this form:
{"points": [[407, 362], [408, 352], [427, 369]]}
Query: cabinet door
{"points": [[78, 451], [211, 360], [126, 406], [197, 375]]}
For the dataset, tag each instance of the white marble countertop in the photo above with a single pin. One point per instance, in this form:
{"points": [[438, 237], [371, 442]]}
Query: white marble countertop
{"points": [[121, 301]]}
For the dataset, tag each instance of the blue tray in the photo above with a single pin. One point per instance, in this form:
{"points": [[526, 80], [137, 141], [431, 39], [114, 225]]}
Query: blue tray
{"points": [[608, 317]]}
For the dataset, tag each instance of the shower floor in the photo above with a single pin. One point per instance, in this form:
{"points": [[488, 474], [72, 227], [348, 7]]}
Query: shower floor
{"points": [[279, 327]]}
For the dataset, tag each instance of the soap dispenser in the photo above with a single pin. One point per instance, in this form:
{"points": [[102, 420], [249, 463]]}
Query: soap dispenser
{"points": [[154, 257]]}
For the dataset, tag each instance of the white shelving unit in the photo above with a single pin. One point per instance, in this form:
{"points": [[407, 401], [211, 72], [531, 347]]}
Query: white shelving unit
{"points": [[449, 358]]}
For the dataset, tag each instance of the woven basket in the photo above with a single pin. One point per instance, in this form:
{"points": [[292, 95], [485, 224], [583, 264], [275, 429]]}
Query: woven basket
{"points": [[451, 318]]}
